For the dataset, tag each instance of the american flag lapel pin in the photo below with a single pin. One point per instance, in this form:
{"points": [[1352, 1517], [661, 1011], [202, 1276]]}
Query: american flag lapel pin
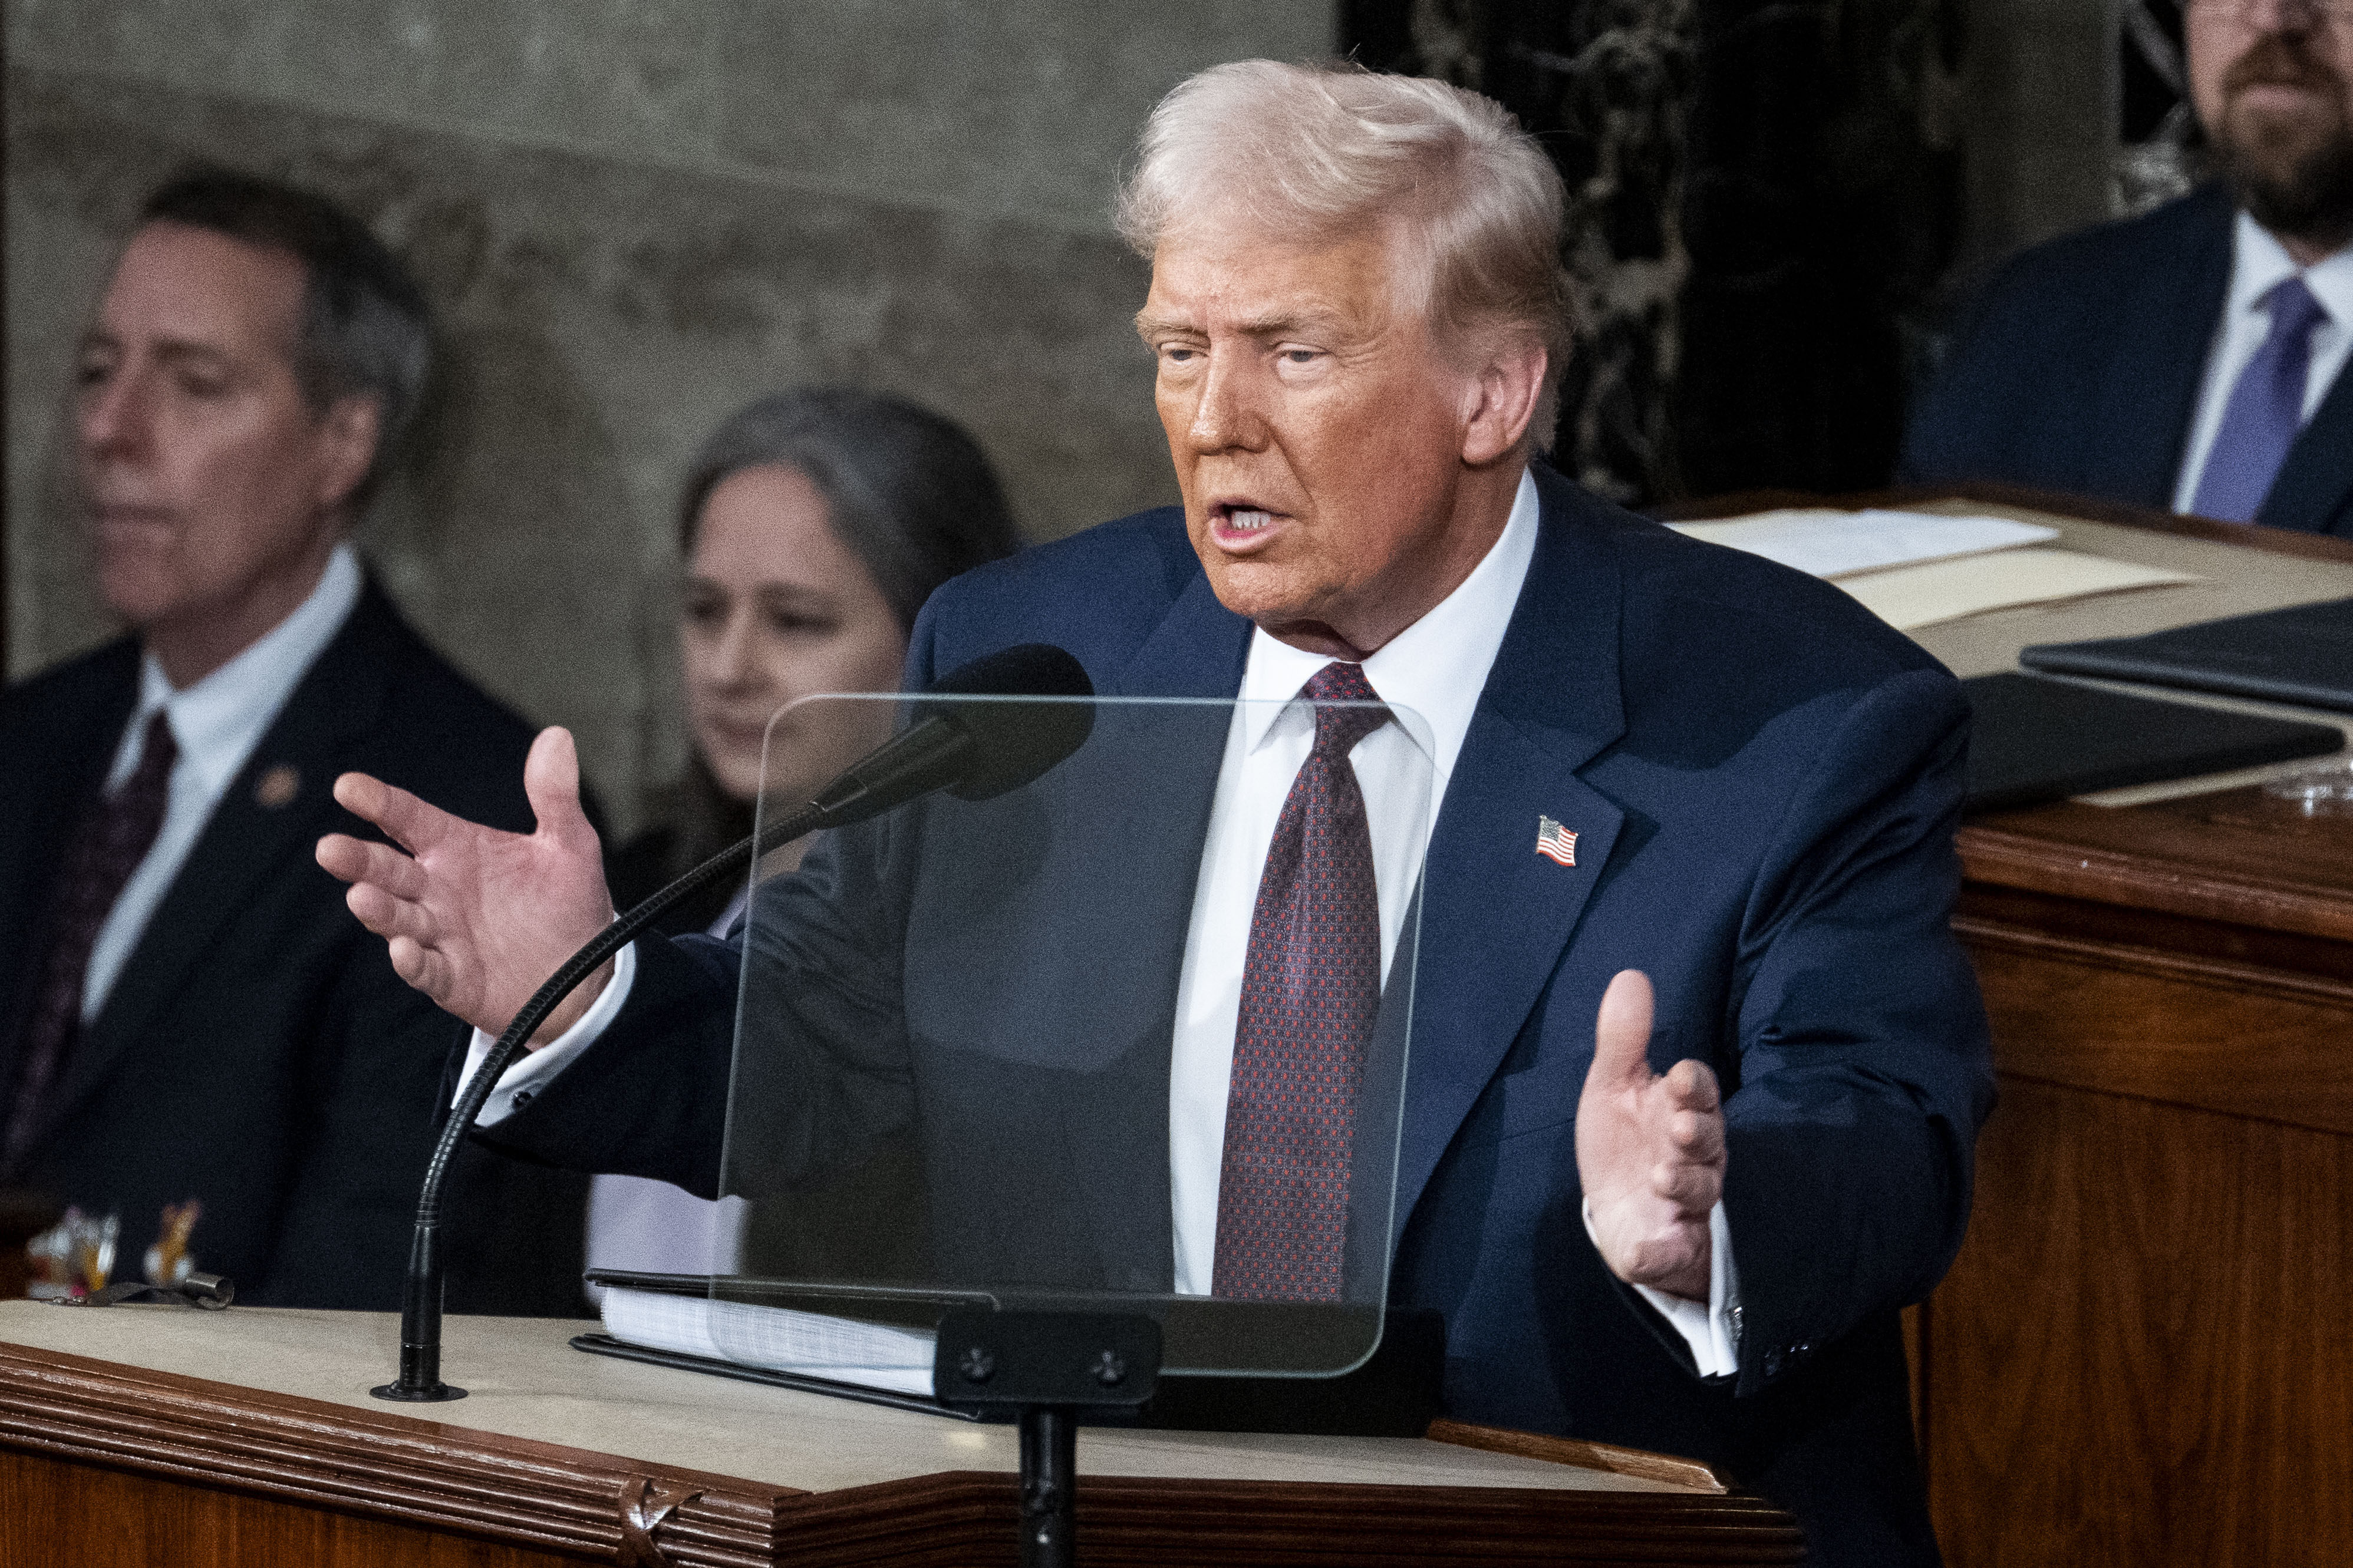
{"points": [[1554, 842]]}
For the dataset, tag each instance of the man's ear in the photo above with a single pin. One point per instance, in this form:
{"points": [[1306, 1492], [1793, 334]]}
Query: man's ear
{"points": [[348, 434], [1505, 393]]}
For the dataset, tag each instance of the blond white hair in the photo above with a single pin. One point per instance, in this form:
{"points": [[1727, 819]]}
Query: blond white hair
{"points": [[1312, 151]]}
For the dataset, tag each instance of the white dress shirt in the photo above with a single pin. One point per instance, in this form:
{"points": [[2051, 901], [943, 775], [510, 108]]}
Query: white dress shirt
{"points": [[656, 1227], [2259, 263], [216, 721], [1432, 674]]}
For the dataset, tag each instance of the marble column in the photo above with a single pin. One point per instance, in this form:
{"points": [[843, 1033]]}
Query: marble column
{"points": [[1606, 83], [1761, 194]]}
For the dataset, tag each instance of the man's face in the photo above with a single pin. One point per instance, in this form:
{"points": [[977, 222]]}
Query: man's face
{"points": [[211, 487], [1317, 434], [2273, 83]]}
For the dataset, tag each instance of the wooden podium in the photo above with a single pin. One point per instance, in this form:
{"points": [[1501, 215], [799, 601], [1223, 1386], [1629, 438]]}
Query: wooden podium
{"points": [[2144, 1355], [137, 1435]]}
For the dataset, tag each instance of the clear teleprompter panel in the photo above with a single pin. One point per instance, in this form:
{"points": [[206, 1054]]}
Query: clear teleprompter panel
{"points": [[983, 1045]]}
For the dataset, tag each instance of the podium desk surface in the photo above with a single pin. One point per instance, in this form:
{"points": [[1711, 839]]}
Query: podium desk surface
{"points": [[146, 1434], [524, 1381]]}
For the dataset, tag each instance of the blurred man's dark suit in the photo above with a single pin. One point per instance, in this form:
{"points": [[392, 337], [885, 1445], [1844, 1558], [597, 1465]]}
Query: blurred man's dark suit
{"points": [[258, 1053], [2079, 369]]}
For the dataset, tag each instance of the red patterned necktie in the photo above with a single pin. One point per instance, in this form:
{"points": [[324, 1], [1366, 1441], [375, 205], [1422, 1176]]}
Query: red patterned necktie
{"points": [[106, 848], [1311, 985]]}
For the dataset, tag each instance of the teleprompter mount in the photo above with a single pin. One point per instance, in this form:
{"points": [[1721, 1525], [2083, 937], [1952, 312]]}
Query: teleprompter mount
{"points": [[1047, 1367]]}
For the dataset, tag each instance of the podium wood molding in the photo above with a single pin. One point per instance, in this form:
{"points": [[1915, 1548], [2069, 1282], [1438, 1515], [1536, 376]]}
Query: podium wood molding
{"points": [[443, 1477], [1607, 1457], [157, 1433]]}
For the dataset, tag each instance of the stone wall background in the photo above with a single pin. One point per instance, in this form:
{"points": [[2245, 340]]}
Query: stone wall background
{"points": [[632, 215]]}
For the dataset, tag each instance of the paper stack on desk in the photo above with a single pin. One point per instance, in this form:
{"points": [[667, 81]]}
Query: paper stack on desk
{"points": [[1913, 569], [777, 1339]]}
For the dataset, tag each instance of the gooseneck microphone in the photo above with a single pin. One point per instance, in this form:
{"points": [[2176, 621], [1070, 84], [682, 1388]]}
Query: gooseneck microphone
{"points": [[975, 749]]}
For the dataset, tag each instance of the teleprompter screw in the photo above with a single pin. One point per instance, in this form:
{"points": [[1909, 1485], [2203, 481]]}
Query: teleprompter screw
{"points": [[977, 1366], [1110, 1372]]}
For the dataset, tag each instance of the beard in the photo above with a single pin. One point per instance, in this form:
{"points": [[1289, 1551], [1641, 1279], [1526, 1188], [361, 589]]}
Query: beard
{"points": [[2293, 177]]}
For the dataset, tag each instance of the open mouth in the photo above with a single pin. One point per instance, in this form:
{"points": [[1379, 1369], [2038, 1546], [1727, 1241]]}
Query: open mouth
{"points": [[1241, 525]]}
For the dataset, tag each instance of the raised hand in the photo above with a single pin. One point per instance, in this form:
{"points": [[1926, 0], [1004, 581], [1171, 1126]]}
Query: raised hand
{"points": [[1650, 1150], [475, 917]]}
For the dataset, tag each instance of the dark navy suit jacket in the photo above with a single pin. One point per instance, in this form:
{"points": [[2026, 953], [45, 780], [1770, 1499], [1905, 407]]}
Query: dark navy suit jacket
{"points": [[258, 1053], [1764, 780], [2079, 364]]}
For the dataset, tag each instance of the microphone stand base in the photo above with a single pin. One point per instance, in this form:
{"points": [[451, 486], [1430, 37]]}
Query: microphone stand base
{"points": [[432, 1394]]}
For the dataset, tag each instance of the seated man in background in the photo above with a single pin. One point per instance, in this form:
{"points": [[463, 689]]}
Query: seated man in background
{"points": [[2190, 359], [187, 1011], [1648, 754]]}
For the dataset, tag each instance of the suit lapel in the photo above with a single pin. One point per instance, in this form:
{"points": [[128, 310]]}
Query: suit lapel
{"points": [[1150, 848], [1496, 915], [2151, 381], [2314, 483], [255, 833], [1197, 650]]}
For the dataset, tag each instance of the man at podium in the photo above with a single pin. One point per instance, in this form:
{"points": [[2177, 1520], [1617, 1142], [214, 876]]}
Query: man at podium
{"points": [[1694, 814]]}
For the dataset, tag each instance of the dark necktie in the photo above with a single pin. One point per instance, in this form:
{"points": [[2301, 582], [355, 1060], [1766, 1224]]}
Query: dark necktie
{"points": [[2265, 412], [1311, 985], [106, 846]]}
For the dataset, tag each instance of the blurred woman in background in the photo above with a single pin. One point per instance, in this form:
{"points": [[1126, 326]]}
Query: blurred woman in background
{"points": [[814, 524]]}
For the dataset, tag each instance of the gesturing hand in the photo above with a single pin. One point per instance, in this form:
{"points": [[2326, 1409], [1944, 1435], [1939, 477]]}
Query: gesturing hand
{"points": [[1650, 1150], [478, 919]]}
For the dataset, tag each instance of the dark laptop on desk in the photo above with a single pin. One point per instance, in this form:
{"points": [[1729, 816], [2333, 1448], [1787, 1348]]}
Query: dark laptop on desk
{"points": [[2036, 740], [2040, 739], [2302, 655]]}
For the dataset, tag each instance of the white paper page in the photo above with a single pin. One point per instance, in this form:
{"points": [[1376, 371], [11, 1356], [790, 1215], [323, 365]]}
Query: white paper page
{"points": [[781, 1339], [1913, 597], [1827, 544]]}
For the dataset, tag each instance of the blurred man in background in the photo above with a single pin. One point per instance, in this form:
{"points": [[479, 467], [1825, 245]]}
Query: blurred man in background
{"points": [[187, 1011], [2191, 358]]}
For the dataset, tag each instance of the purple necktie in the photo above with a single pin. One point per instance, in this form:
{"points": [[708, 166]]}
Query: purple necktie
{"points": [[2265, 412], [108, 844], [1311, 985]]}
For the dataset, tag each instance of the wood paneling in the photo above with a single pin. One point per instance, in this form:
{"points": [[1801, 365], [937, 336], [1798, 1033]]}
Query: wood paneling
{"points": [[2237, 858], [61, 1513], [2143, 1355], [960, 1519], [2217, 1037]]}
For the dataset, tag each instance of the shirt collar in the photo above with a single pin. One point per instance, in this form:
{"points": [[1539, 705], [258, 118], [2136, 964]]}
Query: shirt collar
{"points": [[2260, 263], [219, 720], [1435, 669]]}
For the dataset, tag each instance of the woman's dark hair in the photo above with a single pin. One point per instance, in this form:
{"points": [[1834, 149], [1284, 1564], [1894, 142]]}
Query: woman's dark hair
{"points": [[910, 494]]}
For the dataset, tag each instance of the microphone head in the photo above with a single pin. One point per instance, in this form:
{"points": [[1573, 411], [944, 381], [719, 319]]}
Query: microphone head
{"points": [[1015, 743]]}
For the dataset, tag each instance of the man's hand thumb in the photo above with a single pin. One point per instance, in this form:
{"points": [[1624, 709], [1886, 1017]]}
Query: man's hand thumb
{"points": [[1622, 1033], [550, 781]]}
